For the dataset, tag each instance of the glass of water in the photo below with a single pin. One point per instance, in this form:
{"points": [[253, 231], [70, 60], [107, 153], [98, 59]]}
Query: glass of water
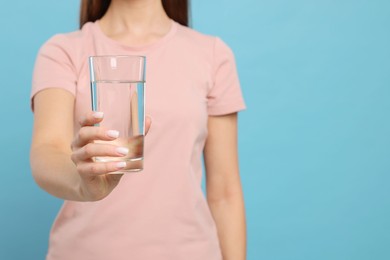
{"points": [[117, 89]]}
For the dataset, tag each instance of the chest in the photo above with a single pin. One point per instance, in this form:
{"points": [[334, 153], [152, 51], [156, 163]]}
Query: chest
{"points": [[175, 93]]}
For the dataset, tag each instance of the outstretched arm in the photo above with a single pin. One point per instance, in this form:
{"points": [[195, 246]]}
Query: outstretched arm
{"points": [[61, 163]]}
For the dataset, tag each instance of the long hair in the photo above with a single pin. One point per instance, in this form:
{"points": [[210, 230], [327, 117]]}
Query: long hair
{"points": [[92, 10]]}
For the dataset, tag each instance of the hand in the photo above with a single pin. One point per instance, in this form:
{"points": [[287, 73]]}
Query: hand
{"points": [[96, 182]]}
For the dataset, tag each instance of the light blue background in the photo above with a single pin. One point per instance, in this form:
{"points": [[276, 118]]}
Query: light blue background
{"points": [[314, 141]]}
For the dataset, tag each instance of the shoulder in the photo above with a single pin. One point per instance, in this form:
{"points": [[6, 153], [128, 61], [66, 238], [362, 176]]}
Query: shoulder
{"points": [[68, 48], [69, 41], [204, 43], [196, 37]]}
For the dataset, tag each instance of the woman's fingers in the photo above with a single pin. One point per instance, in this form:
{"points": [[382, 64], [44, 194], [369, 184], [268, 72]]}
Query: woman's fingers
{"points": [[87, 145], [88, 134], [92, 169], [91, 150], [100, 168], [91, 118]]}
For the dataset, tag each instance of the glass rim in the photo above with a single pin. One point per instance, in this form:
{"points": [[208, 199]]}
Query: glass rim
{"points": [[117, 56]]}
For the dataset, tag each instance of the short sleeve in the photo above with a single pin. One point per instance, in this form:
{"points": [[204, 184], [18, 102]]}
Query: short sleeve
{"points": [[53, 67], [225, 95]]}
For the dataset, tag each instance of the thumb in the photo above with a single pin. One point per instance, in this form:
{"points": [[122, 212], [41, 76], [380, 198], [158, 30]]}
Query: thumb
{"points": [[148, 123]]}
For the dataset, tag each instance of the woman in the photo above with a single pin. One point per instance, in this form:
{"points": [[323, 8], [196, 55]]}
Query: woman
{"points": [[193, 96]]}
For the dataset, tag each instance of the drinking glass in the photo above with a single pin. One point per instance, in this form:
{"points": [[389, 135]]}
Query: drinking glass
{"points": [[117, 89]]}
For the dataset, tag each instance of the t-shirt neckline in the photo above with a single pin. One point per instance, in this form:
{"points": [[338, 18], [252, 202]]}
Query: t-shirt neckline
{"points": [[141, 48]]}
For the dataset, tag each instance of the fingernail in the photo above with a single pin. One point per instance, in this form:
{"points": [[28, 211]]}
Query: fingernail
{"points": [[122, 150], [120, 165], [98, 115], [113, 133]]}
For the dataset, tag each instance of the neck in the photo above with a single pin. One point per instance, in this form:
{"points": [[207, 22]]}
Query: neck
{"points": [[136, 17]]}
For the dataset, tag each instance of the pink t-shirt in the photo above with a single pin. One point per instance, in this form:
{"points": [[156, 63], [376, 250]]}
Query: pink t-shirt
{"points": [[161, 212]]}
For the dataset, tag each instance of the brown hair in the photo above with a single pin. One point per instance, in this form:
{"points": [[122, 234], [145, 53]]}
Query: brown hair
{"points": [[92, 10]]}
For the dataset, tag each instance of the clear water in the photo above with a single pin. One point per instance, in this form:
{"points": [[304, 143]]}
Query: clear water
{"points": [[123, 105]]}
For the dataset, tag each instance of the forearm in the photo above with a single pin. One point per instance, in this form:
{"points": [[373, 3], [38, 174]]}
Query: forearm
{"points": [[55, 173], [229, 215]]}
